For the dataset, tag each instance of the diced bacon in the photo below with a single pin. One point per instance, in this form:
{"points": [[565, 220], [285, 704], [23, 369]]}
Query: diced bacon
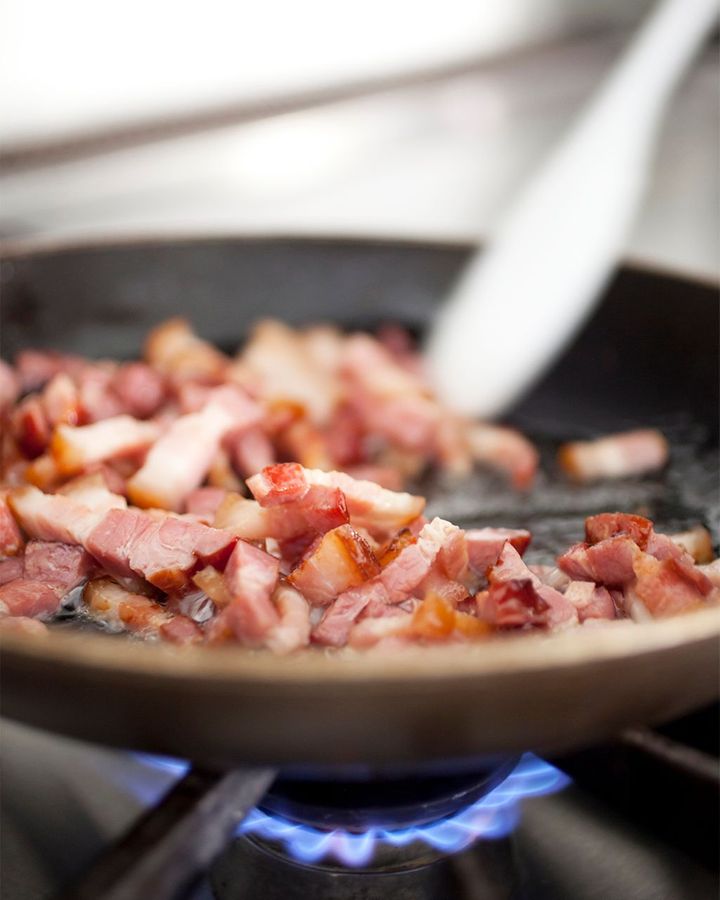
{"points": [[293, 629], [140, 389], [164, 550], [64, 566], [305, 442], [506, 450], [54, 517], [279, 484], [517, 597], [414, 563], [36, 367], [112, 540], [615, 456], [284, 370], [251, 577], [30, 427], [485, 545], [590, 600], [697, 542], [510, 566], [369, 505], [25, 597], [552, 576], [610, 525], [92, 490], [121, 610], [712, 572], [661, 546], [22, 625], [392, 548], [385, 476], [61, 401], [178, 462], [341, 560], [335, 625], [9, 386], [609, 562], [453, 592], [204, 502], [174, 349], [370, 632], [97, 399], [212, 583], [251, 451], [75, 448], [666, 587], [514, 603], [43, 472], [11, 568], [321, 510], [393, 402], [221, 473], [453, 559], [11, 541], [194, 604]]}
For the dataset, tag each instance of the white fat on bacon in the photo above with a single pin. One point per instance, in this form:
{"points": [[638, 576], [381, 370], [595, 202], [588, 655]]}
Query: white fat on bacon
{"points": [[74, 448], [55, 517], [369, 505], [615, 455], [179, 461]]}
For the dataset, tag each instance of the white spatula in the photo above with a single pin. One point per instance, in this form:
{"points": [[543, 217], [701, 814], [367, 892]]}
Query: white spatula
{"points": [[518, 303]]}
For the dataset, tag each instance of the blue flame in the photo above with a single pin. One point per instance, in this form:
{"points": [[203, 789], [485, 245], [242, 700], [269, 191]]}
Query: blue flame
{"points": [[493, 816]]}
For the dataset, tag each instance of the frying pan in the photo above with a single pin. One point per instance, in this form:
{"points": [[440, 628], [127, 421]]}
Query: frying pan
{"points": [[648, 357]]}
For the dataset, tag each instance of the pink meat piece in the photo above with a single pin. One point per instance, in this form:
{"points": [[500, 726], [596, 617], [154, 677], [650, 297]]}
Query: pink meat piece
{"points": [[179, 461], [61, 401], [341, 559], [251, 451], [251, 576], [661, 546], [30, 427], [696, 541], [451, 591], [551, 575], [590, 600], [712, 572], [175, 350], [293, 629], [139, 388], [615, 456], [54, 517], [414, 562], [11, 541], [74, 449], [339, 618], [369, 505], [517, 597], [610, 525], [609, 562], [370, 632], [669, 586], [504, 449], [36, 367], [122, 610], [485, 545], [277, 360], [204, 502], [25, 597], [320, 510], [165, 550], [97, 399], [64, 566], [11, 568], [9, 386]]}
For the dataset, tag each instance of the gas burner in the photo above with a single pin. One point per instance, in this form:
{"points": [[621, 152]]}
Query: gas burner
{"points": [[394, 825]]}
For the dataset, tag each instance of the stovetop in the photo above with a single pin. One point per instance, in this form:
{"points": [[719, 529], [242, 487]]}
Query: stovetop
{"points": [[639, 821]]}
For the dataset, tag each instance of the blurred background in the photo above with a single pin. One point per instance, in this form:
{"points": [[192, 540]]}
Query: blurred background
{"points": [[382, 118]]}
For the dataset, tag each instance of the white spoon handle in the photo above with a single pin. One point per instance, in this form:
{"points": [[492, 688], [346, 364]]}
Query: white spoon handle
{"points": [[516, 305]]}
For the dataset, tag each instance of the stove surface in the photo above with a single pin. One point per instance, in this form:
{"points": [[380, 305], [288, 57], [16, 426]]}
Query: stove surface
{"points": [[63, 802]]}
